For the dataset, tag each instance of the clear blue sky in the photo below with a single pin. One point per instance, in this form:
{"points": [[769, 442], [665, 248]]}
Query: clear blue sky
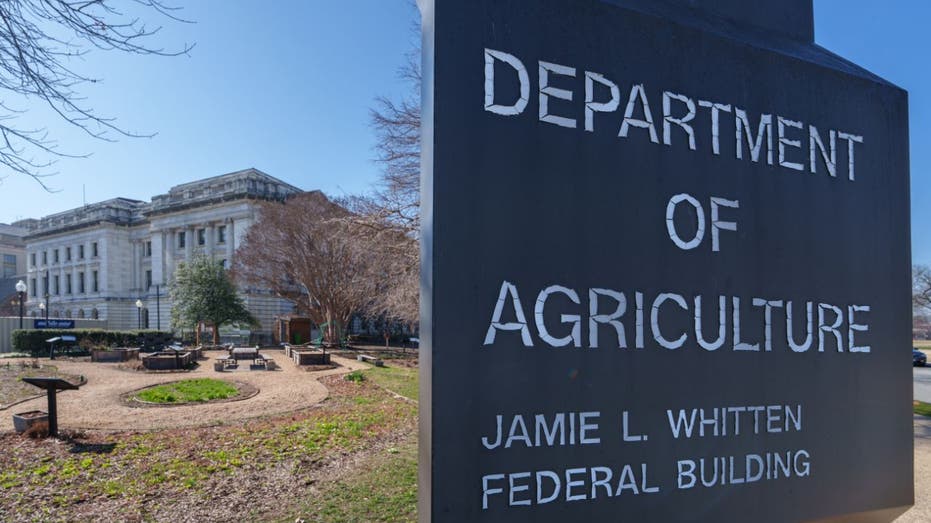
{"points": [[288, 89], [285, 87]]}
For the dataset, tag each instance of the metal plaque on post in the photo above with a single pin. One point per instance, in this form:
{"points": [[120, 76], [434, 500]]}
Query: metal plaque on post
{"points": [[666, 268]]}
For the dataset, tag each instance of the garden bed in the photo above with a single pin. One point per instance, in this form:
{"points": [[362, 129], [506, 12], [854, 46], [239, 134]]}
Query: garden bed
{"points": [[14, 391], [114, 355], [190, 392]]}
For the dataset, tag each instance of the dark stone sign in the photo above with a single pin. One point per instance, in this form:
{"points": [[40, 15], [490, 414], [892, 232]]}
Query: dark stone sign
{"points": [[666, 267], [53, 324]]}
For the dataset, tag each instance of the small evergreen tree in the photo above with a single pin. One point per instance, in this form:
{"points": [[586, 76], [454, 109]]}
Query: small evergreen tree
{"points": [[202, 291]]}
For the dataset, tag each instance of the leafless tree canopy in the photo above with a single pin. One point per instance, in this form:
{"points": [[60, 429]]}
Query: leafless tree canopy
{"points": [[389, 220], [39, 42], [306, 250], [397, 128], [921, 287]]}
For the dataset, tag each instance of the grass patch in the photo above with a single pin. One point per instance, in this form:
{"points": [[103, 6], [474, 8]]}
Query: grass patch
{"points": [[401, 380], [189, 391], [922, 408], [383, 489]]}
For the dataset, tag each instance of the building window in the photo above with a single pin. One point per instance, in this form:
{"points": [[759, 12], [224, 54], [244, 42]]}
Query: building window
{"points": [[94, 250], [68, 283], [95, 282], [95, 315], [32, 259], [81, 252], [181, 240], [80, 314], [148, 280], [80, 283], [57, 286], [67, 253], [9, 265], [55, 255], [34, 288], [201, 236], [221, 234], [148, 249], [45, 285], [44, 257]]}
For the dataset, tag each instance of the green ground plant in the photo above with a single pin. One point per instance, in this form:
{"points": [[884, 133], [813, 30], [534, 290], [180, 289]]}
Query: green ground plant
{"points": [[357, 447], [400, 380], [189, 391]]}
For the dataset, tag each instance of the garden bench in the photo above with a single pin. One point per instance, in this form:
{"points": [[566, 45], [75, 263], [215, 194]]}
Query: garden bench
{"points": [[370, 359]]}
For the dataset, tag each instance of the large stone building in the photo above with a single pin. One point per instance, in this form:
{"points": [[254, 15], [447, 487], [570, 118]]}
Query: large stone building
{"points": [[98, 260], [12, 251], [12, 266]]}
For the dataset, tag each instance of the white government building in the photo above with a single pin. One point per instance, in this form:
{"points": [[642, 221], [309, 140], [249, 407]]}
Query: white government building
{"points": [[96, 261]]}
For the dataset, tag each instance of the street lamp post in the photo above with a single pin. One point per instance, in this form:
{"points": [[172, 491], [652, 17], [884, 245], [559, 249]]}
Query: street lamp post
{"points": [[139, 314], [21, 290], [43, 306]]}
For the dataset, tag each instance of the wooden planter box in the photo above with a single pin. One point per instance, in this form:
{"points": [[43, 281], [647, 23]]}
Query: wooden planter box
{"points": [[310, 358], [24, 420], [114, 355], [167, 361]]}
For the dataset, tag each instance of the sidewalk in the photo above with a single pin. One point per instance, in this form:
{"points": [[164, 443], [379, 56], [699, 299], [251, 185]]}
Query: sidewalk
{"points": [[921, 512]]}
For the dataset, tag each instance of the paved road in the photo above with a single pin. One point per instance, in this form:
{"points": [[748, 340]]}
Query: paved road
{"points": [[921, 377]]}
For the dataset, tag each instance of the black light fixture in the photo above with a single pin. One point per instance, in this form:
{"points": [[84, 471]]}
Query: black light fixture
{"points": [[21, 290], [138, 314]]}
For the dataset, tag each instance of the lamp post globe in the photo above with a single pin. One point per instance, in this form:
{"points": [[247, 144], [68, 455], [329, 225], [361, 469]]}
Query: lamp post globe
{"points": [[21, 291], [138, 314]]}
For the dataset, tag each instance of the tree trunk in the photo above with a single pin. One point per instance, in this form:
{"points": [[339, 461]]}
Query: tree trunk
{"points": [[216, 334]]}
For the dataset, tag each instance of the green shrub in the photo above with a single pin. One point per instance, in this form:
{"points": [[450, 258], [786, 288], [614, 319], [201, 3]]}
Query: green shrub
{"points": [[355, 376], [33, 342]]}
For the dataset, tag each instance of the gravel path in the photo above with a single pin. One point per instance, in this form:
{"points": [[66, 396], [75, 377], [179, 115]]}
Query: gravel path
{"points": [[97, 404]]}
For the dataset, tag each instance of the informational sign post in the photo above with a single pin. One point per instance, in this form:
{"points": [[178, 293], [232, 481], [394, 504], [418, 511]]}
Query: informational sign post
{"points": [[666, 269]]}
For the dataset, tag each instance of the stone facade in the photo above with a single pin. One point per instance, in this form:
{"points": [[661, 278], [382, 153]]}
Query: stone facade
{"points": [[96, 261], [12, 251]]}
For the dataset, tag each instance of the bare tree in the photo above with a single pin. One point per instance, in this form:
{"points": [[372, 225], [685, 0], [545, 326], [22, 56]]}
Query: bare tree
{"points": [[306, 251], [397, 128], [389, 219], [921, 287], [40, 41]]}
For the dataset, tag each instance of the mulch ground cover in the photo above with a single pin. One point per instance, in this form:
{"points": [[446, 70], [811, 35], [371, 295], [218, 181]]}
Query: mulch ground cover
{"points": [[262, 470], [13, 389]]}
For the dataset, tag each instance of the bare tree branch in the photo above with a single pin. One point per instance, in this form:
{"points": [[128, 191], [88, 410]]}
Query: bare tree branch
{"points": [[39, 42]]}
